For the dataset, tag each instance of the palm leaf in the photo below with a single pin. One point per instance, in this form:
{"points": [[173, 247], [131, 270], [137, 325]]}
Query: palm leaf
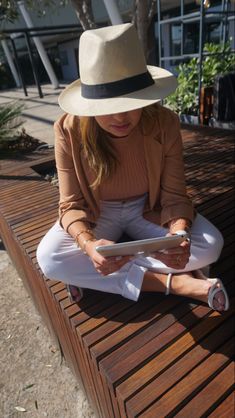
{"points": [[10, 121]]}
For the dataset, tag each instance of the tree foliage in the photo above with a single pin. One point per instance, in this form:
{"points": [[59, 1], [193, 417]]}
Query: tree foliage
{"points": [[9, 11]]}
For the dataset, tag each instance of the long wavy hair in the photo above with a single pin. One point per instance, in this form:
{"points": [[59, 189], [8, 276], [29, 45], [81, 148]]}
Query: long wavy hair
{"points": [[99, 151]]}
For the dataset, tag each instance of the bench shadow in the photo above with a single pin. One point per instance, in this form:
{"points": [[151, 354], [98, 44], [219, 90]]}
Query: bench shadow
{"points": [[24, 178], [154, 309]]}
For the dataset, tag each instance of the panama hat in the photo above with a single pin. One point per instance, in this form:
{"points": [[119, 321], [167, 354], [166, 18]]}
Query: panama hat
{"points": [[114, 76]]}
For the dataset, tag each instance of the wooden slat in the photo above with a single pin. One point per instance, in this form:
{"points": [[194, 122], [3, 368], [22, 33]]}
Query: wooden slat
{"points": [[162, 351], [167, 377], [210, 395], [177, 396], [226, 408], [124, 328]]}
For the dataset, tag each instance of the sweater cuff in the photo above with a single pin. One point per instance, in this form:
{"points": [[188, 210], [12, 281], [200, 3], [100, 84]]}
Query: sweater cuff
{"points": [[174, 212], [68, 218]]}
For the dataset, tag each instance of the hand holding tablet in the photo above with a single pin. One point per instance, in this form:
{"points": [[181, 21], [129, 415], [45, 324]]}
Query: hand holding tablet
{"points": [[145, 246]]}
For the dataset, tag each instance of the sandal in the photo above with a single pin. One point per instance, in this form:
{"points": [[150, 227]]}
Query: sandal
{"points": [[217, 286], [75, 293]]}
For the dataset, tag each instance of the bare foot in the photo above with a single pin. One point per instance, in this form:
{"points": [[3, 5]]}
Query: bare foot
{"points": [[219, 300], [191, 284], [197, 288]]}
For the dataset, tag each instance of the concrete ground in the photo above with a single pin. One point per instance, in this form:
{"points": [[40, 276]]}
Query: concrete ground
{"points": [[39, 115], [34, 381]]}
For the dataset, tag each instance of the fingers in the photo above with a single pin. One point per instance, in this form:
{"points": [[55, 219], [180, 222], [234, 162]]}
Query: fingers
{"points": [[177, 250], [186, 244], [109, 265], [106, 265], [176, 258]]}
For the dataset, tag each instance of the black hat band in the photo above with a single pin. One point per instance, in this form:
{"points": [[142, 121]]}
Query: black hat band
{"points": [[117, 88]]}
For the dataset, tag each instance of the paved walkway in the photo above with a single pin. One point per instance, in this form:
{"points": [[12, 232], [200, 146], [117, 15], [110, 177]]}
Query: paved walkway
{"points": [[39, 114]]}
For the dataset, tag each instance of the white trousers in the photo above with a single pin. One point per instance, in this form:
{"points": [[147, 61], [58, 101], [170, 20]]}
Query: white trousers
{"points": [[61, 259]]}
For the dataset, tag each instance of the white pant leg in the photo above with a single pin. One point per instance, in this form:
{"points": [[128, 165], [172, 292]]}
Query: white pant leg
{"points": [[60, 259], [206, 244], [206, 240]]}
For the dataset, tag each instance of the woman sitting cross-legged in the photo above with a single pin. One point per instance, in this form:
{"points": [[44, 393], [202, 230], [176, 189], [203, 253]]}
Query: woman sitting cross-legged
{"points": [[120, 167]]}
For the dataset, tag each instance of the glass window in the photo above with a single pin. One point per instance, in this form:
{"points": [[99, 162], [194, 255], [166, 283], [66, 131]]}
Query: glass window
{"points": [[191, 38], [175, 39], [213, 32]]}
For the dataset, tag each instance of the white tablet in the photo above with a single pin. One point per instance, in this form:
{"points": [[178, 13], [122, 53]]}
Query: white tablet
{"points": [[144, 246]]}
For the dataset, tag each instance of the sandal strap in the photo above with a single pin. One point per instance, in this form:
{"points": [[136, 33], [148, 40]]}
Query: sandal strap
{"points": [[214, 289], [168, 284], [75, 293]]}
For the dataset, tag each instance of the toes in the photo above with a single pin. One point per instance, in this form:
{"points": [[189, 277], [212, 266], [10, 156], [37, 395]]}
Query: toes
{"points": [[219, 301], [217, 305]]}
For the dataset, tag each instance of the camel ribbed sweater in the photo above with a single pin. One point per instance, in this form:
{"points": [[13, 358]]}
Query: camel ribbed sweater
{"points": [[130, 179]]}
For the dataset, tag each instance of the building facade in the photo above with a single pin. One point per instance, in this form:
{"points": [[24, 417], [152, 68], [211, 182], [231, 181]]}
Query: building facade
{"points": [[176, 30]]}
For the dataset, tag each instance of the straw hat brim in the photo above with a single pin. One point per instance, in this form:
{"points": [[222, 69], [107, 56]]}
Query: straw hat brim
{"points": [[71, 100]]}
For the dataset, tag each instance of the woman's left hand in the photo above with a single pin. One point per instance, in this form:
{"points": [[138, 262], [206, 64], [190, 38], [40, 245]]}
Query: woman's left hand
{"points": [[105, 265], [177, 257]]}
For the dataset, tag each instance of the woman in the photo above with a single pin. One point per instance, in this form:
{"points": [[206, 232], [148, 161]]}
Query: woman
{"points": [[120, 169]]}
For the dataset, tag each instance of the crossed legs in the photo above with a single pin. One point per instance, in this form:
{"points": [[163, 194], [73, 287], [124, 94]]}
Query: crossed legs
{"points": [[60, 258], [189, 284]]}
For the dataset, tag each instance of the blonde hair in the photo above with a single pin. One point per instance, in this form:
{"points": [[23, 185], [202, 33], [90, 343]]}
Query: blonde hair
{"points": [[99, 152]]}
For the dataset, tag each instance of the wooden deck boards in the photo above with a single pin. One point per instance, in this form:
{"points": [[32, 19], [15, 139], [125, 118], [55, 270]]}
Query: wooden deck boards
{"points": [[159, 357]]}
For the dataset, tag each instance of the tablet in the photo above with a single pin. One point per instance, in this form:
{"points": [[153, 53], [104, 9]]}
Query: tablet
{"points": [[144, 246]]}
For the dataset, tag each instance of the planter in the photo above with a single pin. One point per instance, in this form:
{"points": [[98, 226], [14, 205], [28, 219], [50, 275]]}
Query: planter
{"points": [[190, 119], [206, 109], [206, 105], [222, 125]]}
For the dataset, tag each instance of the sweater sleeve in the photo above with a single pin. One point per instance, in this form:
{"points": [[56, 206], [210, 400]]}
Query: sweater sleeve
{"points": [[174, 200], [72, 205]]}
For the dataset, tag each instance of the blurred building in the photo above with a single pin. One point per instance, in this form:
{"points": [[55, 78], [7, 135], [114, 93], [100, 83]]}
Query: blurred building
{"points": [[176, 29]]}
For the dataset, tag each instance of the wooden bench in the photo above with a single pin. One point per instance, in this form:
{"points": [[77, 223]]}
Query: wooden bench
{"points": [[159, 357]]}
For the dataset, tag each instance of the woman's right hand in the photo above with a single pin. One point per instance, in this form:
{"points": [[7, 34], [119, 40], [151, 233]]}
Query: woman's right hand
{"points": [[104, 265]]}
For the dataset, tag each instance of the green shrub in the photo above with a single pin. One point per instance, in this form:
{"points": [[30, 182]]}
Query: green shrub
{"points": [[185, 97], [220, 60], [10, 121]]}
